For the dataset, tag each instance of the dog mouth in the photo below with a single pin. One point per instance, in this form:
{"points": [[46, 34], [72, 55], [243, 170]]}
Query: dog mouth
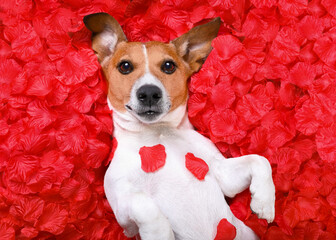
{"points": [[146, 114]]}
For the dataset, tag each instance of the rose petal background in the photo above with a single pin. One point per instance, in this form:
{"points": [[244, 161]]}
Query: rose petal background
{"points": [[274, 62]]}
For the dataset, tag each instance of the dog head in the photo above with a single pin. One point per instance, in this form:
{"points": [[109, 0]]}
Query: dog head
{"points": [[148, 80]]}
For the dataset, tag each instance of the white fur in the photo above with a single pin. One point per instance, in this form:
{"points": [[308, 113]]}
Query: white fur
{"points": [[171, 203]]}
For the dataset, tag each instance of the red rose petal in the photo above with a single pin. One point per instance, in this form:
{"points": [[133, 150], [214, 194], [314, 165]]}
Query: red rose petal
{"points": [[241, 67], [325, 48], [225, 230], [292, 8], [197, 166], [114, 148], [152, 158], [224, 127], [311, 27], [196, 103], [28, 209], [222, 96], [326, 143], [227, 46], [302, 74], [7, 231], [53, 219], [330, 6]]}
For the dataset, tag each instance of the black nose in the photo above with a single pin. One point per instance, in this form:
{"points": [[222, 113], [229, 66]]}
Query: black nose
{"points": [[149, 95]]}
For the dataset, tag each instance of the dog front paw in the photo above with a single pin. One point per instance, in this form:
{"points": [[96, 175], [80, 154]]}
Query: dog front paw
{"points": [[262, 204], [159, 229]]}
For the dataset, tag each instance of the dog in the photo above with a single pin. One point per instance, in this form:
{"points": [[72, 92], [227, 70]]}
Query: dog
{"points": [[167, 181]]}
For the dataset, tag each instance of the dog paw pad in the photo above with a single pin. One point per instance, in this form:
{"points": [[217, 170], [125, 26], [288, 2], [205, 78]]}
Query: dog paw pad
{"points": [[152, 158], [225, 230]]}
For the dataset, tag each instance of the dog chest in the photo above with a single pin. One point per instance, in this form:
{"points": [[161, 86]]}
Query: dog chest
{"points": [[173, 185]]}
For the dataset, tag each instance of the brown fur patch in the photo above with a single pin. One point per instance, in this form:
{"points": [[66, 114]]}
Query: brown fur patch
{"points": [[119, 85], [176, 83]]}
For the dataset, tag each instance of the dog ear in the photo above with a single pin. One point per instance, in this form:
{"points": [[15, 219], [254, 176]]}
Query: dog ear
{"points": [[106, 34], [195, 45]]}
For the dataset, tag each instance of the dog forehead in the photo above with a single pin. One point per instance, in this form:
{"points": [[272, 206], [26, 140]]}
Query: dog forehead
{"points": [[128, 51], [159, 50]]}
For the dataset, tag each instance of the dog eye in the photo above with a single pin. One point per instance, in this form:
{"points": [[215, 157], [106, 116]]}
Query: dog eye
{"points": [[125, 67], [168, 67]]}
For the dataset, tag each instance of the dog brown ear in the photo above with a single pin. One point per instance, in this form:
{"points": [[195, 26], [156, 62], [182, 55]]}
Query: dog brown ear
{"points": [[195, 45], [106, 34]]}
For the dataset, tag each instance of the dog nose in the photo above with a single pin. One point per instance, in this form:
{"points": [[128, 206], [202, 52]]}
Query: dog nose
{"points": [[149, 95]]}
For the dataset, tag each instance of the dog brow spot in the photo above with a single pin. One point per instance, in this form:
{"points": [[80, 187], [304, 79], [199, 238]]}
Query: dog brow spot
{"points": [[225, 230], [197, 166], [152, 158]]}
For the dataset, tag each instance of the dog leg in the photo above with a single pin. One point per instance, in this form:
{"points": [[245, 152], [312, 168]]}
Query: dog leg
{"points": [[136, 212], [152, 223], [236, 174]]}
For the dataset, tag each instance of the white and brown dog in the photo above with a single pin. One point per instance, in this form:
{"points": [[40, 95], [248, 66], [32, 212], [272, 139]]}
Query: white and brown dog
{"points": [[166, 181]]}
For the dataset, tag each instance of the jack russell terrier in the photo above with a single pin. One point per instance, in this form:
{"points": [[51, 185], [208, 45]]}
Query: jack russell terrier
{"points": [[167, 181]]}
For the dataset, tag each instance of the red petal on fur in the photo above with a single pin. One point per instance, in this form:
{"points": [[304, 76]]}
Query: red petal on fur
{"points": [[152, 158], [197, 166], [227, 46], [225, 230], [53, 219]]}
